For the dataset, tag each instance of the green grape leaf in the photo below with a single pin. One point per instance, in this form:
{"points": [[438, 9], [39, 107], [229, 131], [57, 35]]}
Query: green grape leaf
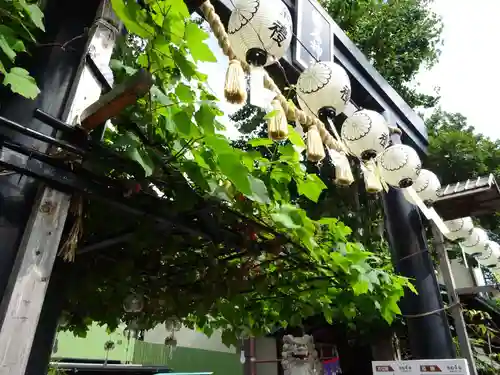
{"points": [[35, 13], [185, 126], [205, 118], [195, 37], [184, 93], [260, 142], [361, 286], [285, 220], [295, 138], [21, 83], [311, 187], [141, 158], [186, 67], [131, 15], [328, 314], [236, 172], [259, 190], [271, 114], [7, 41], [158, 95]]}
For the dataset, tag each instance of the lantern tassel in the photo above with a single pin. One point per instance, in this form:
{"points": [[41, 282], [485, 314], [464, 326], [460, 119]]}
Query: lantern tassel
{"points": [[315, 149], [235, 88], [372, 183], [378, 175], [277, 125], [343, 172]]}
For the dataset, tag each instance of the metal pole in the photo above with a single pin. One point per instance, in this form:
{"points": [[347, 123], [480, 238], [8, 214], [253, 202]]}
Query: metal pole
{"points": [[428, 329], [454, 300]]}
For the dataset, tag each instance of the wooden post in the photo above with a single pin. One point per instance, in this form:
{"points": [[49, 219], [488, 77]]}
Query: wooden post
{"points": [[43, 233]]}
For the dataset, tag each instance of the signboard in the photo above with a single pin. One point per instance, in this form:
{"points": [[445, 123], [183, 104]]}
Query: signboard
{"points": [[314, 32], [421, 367]]}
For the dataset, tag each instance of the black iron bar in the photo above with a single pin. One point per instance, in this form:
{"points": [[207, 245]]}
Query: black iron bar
{"points": [[96, 71], [39, 136], [55, 123], [88, 144], [68, 182], [122, 238]]}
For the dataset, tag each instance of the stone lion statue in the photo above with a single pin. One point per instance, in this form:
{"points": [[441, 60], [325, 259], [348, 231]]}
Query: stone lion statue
{"points": [[299, 356]]}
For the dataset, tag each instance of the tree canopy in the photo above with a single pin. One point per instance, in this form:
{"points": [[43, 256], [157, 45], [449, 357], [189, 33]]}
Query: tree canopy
{"points": [[399, 37], [282, 266], [456, 153]]}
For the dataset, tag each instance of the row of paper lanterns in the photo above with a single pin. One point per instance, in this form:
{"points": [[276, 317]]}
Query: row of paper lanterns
{"points": [[475, 242], [260, 33]]}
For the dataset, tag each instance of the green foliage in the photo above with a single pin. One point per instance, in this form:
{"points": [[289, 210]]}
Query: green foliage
{"points": [[484, 337], [457, 153], [290, 267], [248, 119], [358, 210], [397, 36], [19, 21], [56, 371]]}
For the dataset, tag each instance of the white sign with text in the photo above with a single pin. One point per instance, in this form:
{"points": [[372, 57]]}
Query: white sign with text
{"points": [[421, 367]]}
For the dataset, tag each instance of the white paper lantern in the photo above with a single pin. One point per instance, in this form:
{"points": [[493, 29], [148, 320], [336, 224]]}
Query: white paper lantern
{"points": [[459, 228], [260, 31], [476, 242], [400, 165], [323, 86], [490, 256], [426, 186], [365, 133]]}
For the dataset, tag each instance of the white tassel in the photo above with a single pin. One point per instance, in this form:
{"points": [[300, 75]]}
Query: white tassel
{"points": [[277, 124], [315, 149], [235, 87], [372, 182], [343, 172]]}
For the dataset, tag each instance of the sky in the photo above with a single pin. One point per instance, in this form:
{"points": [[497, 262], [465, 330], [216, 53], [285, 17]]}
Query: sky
{"points": [[468, 72]]}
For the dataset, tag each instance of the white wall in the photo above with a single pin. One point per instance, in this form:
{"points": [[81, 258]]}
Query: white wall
{"points": [[265, 349], [461, 274], [189, 338]]}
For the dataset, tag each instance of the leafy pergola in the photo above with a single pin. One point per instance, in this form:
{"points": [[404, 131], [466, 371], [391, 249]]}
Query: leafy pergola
{"points": [[236, 248]]}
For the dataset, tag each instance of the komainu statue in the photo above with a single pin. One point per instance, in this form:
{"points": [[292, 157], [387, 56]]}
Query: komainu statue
{"points": [[299, 357]]}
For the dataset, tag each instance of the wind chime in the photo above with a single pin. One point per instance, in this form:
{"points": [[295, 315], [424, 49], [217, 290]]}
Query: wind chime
{"points": [[133, 304], [259, 34], [172, 325]]}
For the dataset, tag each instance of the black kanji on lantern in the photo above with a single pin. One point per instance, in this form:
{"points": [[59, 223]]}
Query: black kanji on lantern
{"points": [[345, 94], [279, 32], [383, 139]]}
